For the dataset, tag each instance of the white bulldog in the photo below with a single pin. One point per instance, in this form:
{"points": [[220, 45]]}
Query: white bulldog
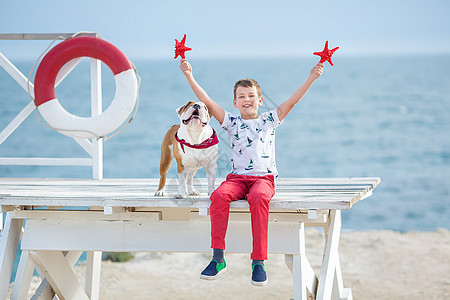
{"points": [[193, 143]]}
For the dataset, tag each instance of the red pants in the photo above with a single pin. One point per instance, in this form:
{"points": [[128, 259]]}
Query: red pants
{"points": [[258, 190]]}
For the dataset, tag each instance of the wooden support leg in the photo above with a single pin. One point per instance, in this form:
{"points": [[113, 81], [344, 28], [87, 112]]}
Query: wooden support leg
{"points": [[93, 267], [339, 292], [8, 248], [23, 277], [302, 272], [59, 274], [330, 278], [45, 291]]}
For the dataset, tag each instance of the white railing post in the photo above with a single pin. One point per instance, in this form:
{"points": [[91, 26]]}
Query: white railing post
{"points": [[96, 109]]}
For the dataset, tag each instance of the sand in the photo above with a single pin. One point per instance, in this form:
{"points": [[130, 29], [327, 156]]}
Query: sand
{"points": [[375, 264]]}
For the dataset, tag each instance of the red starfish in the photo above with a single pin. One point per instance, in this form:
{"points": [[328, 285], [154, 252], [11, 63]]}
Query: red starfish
{"points": [[180, 48], [326, 54]]}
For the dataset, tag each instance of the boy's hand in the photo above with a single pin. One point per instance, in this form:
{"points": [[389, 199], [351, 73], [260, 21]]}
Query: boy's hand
{"points": [[316, 71], [185, 67]]}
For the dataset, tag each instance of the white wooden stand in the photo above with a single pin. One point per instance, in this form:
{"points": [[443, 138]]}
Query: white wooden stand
{"points": [[53, 240]]}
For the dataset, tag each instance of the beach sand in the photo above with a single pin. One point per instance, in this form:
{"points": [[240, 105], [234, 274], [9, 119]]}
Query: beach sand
{"points": [[375, 264]]}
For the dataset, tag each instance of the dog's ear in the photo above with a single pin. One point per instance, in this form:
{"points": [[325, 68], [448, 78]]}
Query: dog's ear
{"points": [[182, 108]]}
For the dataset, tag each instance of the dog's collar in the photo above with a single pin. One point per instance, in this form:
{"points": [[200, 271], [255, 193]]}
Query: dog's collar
{"points": [[211, 141]]}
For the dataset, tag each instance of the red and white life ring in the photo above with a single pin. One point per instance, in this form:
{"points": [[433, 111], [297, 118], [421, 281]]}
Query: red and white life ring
{"points": [[69, 124]]}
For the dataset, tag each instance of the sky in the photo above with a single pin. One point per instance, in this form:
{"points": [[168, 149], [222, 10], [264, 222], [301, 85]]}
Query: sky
{"points": [[230, 28]]}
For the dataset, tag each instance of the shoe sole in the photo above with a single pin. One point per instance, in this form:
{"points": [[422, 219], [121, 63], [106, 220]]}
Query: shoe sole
{"points": [[259, 283], [207, 277]]}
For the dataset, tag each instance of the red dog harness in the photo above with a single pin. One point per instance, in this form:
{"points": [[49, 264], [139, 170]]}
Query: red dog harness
{"points": [[209, 142]]}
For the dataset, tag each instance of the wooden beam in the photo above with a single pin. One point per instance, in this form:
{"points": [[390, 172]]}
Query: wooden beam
{"points": [[139, 193], [44, 290], [9, 242], [185, 236], [43, 161], [23, 277], [329, 267], [42, 36], [59, 274], [93, 267]]}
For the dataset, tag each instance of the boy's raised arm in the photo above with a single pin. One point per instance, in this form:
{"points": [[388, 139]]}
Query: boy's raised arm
{"points": [[285, 107], [215, 109]]}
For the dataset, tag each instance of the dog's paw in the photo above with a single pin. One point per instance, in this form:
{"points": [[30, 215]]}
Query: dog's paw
{"points": [[194, 192], [178, 196], [159, 193]]}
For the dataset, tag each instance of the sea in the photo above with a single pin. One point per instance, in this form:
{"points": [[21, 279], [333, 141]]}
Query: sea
{"points": [[366, 116]]}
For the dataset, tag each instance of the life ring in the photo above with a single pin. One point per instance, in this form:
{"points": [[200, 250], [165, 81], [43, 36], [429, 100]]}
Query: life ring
{"points": [[92, 127]]}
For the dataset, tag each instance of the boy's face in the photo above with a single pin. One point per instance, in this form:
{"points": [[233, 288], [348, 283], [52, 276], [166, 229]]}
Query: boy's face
{"points": [[247, 102]]}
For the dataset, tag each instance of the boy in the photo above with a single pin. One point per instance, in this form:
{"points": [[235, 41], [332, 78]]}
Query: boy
{"points": [[253, 172]]}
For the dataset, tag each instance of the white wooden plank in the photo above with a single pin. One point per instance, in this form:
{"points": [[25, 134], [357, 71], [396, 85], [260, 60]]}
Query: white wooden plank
{"points": [[86, 215], [45, 161], [197, 181], [41, 36], [96, 200], [21, 116], [23, 277], [44, 290], [8, 249], [15, 73], [185, 236], [85, 144], [299, 267], [59, 274], [96, 110], [93, 268], [299, 278], [331, 257], [139, 193]]}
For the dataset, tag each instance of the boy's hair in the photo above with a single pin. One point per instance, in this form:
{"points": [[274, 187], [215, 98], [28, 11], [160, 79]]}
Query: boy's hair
{"points": [[247, 82]]}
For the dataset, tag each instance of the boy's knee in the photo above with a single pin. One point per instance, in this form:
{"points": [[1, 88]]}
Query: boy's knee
{"points": [[259, 198], [220, 195]]}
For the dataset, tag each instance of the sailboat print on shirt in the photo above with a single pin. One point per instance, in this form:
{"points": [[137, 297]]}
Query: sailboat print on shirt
{"points": [[269, 118], [244, 126], [249, 141], [250, 166], [232, 121]]}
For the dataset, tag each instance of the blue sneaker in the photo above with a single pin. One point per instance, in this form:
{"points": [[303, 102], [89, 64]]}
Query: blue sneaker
{"points": [[213, 269], [259, 276]]}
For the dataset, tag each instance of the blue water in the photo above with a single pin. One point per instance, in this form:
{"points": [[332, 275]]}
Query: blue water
{"points": [[383, 116]]}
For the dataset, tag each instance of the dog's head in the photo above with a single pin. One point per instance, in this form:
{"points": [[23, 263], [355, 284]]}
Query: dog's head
{"points": [[194, 114]]}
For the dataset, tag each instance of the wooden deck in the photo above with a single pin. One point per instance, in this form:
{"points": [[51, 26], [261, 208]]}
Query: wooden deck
{"points": [[291, 193], [65, 217]]}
